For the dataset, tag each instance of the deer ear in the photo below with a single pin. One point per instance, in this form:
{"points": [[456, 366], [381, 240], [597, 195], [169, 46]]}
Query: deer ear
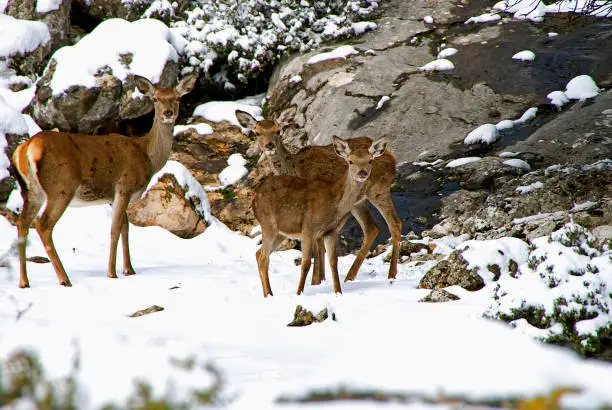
{"points": [[144, 86], [245, 119], [378, 147], [341, 147], [186, 84]]}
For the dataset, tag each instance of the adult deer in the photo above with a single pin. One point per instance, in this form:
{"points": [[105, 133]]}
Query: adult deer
{"points": [[322, 162], [311, 209], [81, 170]]}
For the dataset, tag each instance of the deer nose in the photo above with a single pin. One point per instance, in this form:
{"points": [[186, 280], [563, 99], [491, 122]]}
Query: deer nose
{"points": [[168, 114], [362, 174], [270, 146]]}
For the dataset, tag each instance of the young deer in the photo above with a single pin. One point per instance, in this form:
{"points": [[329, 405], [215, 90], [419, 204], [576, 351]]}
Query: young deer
{"points": [[323, 163], [81, 170], [312, 209]]}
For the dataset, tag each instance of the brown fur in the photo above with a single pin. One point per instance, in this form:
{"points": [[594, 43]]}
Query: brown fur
{"points": [[61, 167], [321, 162], [312, 210]]}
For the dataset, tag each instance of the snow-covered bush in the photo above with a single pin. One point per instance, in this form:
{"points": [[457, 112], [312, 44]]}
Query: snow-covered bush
{"points": [[563, 294], [232, 41]]}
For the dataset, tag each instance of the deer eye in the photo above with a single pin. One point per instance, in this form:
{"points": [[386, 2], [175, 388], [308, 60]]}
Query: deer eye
{"points": [[154, 99], [350, 162], [370, 162]]}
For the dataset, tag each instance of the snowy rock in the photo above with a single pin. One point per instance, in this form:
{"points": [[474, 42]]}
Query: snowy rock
{"points": [[452, 271], [581, 88], [525, 55], [55, 14], [484, 134], [173, 201], [439, 296], [88, 86]]}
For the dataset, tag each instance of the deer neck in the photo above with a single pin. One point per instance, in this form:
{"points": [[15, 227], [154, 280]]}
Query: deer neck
{"points": [[351, 192], [284, 159], [157, 143]]}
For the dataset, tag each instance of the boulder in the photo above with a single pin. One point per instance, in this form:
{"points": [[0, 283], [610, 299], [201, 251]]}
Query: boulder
{"points": [[452, 271], [439, 296], [106, 9], [165, 205], [94, 95]]}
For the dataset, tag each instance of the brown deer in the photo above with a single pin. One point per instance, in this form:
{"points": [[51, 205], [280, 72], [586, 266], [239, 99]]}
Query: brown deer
{"points": [[313, 209], [322, 162], [80, 170]]}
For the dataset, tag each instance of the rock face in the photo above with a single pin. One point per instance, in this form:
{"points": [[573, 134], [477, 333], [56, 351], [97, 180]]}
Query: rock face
{"points": [[582, 134], [341, 96], [452, 271], [165, 205], [534, 204], [206, 156]]}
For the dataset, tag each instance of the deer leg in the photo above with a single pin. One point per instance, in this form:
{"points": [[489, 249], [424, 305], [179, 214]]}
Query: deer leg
{"points": [[370, 231], [307, 243], [318, 273], [385, 205], [330, 247], [120, 204], [31, 206], [125, 246], [268, 245], [56, 205]]}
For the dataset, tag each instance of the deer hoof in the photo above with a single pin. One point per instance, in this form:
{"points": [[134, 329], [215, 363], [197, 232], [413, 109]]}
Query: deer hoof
{"points": [[66, 283], [129, 272], [112, 275], [24, 285]]}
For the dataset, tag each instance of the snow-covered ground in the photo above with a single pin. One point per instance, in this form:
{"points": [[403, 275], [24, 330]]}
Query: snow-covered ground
{"points": [[214, 313]]}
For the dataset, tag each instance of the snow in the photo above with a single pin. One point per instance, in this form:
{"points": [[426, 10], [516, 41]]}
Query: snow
{"points": [[383, 100], [295, 79], [214, 313], [447, 52], [504, 125], [200, 128], [341, 52], [217, 111], [462, 161], [21, 36], [428, 20], [11, 122], [581, 87], [517, 163], [484, 18], [441, 64], [578, 88], [509, 154], [189, 184], [583, 206], [148, 43], [362, 26], [47, 6], [527, 116], [485, 133], [535, 10], [526, 189], [558, 98], [525, 55], [233, 173]]}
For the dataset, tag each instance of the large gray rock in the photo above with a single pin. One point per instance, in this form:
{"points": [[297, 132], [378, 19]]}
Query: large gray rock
{"points": [[424, 116]]}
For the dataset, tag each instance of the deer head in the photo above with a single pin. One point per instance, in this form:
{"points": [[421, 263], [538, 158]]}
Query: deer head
{"points": [[266, 131], [360, 163], [166, 99]]}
